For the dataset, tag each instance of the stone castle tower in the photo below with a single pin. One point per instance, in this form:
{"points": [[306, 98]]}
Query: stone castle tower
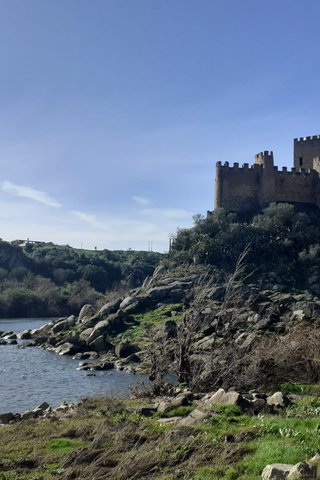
{"points": [[240, 189]]}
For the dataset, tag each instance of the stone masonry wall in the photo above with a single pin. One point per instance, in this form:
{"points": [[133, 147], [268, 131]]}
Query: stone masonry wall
{"points": [[251, 188], [305, 150]]}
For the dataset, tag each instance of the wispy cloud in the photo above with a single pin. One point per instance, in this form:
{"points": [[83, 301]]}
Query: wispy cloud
{"points": [[174, 213], [89, 219], [28, 192], [141, 200]]}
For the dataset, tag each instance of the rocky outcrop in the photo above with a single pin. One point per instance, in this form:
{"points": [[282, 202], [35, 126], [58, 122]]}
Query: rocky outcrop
{"points": [[279, 471], [222, 327]]}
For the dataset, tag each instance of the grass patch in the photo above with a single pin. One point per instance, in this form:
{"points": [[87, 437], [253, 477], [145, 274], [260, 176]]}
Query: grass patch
{"points": [[181, 411], [147, 320], [107, 439], [64, 444]]}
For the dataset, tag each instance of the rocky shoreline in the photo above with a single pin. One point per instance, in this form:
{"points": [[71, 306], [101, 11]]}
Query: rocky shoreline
{"points": [[213, 321]]}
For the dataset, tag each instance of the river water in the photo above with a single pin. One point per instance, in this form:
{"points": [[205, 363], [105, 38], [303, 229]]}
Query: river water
{"points": [[30, 376]]}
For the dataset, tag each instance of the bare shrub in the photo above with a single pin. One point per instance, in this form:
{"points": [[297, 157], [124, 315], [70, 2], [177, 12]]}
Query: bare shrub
{"points": [[268, 362]]}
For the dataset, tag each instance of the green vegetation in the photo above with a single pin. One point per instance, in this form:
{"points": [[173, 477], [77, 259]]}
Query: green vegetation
{"points": [[106, 438], [64, 444], [52, 280], [143, 322], [283, 240]]}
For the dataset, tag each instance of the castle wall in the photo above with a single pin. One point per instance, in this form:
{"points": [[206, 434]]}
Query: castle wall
{"points": [[251, 188], [297, 187], [305, 150], [237, 188]]}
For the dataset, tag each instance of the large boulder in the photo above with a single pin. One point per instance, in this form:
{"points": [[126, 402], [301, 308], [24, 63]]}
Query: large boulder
{"points": [[303, 471], [278, 399], [276, 471], [101, 345], [86, 311], [85, 334], [113, 324], [125, 348], [172, 293], [25, 335], [221, 397], [6, 418], [110, 307], [63, 324], [67, 349], [133, 303]]}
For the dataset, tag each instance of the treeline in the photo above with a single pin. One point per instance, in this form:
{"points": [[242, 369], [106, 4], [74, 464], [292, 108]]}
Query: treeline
{"points": [[283, 244], [50, 280]]}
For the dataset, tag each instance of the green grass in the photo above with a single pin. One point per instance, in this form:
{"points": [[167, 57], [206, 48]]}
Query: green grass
{"points": [[64, 444], [229, 445], [147, 320], [181, 411]]}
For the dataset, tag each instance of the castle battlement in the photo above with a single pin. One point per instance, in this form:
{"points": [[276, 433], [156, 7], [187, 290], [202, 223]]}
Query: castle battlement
{"points": [[252, 187], [307, 139]]}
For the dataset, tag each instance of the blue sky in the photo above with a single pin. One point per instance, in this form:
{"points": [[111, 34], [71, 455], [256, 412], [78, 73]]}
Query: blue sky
{"points": [[114, 112]]}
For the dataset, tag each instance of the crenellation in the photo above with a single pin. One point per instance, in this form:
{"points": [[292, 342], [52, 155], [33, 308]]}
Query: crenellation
{"points": [[256, 186]]}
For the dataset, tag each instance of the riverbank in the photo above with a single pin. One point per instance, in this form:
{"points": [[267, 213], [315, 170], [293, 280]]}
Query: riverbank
{"points": [[155, 438]]}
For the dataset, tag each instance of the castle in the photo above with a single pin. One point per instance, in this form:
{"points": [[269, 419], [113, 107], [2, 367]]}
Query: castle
{"points": [[241, 189]]}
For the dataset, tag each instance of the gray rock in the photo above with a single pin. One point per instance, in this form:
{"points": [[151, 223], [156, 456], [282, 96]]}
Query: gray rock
{"points": [[42, 406], [174, 292], [133, 358], [110, 307], [6, 418], [195, 417], [83, 355], [278, 399], [26, 344], [25, 335], [315, 460], [164, 406], [85, 334], [67, 349], [276, 471], [86, 311], [146, 411], [298, 315], [97, 366], [125, 348], [113, 324], [101, 345], [183, 398], [126, 302], [74, 338], [11, 336], [30, 414], [2, 342], [60, 326], [303, 471]]}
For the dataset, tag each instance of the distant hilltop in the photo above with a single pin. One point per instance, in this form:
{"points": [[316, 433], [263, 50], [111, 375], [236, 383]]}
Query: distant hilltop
{"points": [[247, 188]]}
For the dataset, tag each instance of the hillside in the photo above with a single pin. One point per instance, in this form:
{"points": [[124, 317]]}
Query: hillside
{"points": [[51, 280], [231, 316], [220, 324]]}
